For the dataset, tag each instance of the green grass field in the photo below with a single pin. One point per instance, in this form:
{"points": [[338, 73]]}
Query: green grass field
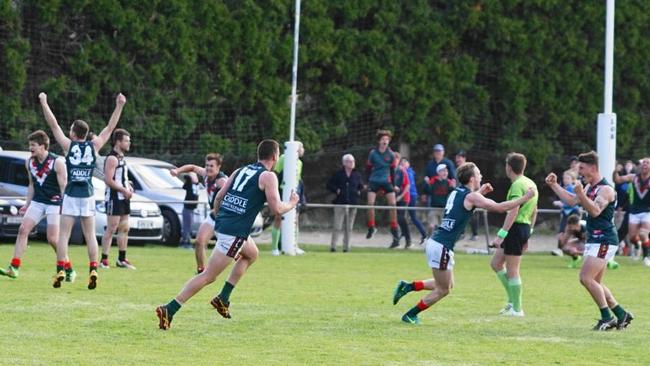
{"points": [[320, 309]]}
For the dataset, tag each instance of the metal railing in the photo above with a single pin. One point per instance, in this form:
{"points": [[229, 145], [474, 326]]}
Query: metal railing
{"points": [[205, 211]]}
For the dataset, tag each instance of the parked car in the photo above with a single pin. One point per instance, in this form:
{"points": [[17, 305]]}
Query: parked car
{"points": [[145, 221], [152, 179], [10, 219]]}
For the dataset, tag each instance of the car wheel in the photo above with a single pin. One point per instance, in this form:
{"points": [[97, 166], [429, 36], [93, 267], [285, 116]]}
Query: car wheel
{"points": [[171, 230]]}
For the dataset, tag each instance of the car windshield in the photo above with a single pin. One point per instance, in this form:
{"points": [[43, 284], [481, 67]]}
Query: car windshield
{"points": [[156, 177]]}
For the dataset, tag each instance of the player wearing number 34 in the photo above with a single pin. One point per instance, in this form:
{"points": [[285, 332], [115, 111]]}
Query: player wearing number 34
{"points": [[237, 204], [80, 157]]}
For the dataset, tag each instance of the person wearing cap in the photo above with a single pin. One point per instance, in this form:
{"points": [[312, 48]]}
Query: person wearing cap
{"points": [[438, 189], [460, 159], [438, 158]]}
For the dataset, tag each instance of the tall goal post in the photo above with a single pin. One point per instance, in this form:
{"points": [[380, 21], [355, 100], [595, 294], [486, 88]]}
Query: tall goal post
{"points": [[288, 228], [606, 141]]}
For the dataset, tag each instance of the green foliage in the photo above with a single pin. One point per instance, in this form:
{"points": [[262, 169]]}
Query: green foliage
{"points": [[487, 75]]}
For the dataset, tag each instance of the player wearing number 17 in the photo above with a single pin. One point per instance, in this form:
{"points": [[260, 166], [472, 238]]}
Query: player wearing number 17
{"points": [[237, 204], [440, 247], [80, 156]]}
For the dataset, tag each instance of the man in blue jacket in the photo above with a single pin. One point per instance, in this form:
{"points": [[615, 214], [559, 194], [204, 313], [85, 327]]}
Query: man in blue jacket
{"points": [[347, 184]]}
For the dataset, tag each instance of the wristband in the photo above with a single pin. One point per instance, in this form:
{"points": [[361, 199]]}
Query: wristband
{"points": [[502, 233]]}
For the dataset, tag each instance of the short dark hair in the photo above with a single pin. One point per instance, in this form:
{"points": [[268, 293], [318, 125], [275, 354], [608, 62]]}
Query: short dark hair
{"points": [[216, 157], [573, 219], [39, 137], [465, 172], [267, 148], [382, 133], [517, 162], [118, 135], [80, 129], [590, 158]]}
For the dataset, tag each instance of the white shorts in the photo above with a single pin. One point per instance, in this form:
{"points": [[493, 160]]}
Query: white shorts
{"points": [[640, 218], [78, 206], [439, 257], [229, 245], [602, 251], [37, 210]]}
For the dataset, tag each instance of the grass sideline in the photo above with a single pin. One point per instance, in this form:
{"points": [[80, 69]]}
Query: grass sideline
{"points": [[320, 309]]}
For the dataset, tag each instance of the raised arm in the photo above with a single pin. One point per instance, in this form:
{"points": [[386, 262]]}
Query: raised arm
{"points": [[105, 135], [188, 168], [269, 184], [567, 197], [605, 195], [109, 171], [59, 136]]}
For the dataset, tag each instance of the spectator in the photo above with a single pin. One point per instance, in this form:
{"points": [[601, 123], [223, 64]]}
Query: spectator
{"points": [[439, 188], [403, 199], [191, 187], [432, 166], [439, 158], [380, 173], [460, 159], [347, 185], [569, 179], [572, 241], [414, 199], [622, 215]]}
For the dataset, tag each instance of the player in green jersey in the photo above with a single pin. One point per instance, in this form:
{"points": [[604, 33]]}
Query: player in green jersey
{"points": [[514, 234]]}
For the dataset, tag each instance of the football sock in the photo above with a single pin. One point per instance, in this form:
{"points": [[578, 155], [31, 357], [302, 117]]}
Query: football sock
{"points": [[503, 278], [68, 267], [15, 262], [646, 249], [414, 311], [225, 291], [104, 257], [515, 292], [60, 265], [92, 266], [275, 238], [415, 286], [121, 255], [605, 314], [173, 307], [619, 312]]}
